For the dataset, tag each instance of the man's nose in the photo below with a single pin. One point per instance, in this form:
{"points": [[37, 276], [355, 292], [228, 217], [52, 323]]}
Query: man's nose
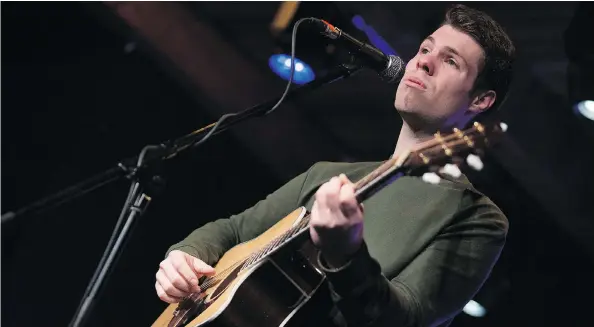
{"points": [[425, 63]]}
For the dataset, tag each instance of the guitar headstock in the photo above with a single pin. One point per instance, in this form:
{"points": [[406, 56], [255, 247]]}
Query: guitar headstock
{"points": [[446, 152]]}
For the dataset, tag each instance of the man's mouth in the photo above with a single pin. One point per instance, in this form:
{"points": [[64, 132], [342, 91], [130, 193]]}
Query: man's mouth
{"points": [[414, 83]]}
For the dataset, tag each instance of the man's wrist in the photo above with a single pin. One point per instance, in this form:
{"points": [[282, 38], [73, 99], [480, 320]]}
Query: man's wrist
{"points": [[354, 275], [334, 261]]}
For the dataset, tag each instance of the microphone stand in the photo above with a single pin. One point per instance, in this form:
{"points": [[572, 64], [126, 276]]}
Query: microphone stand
{"points": [[145, 181]]}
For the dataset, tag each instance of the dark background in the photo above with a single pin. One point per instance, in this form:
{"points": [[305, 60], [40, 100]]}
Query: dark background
{"points": [[86, 85]]}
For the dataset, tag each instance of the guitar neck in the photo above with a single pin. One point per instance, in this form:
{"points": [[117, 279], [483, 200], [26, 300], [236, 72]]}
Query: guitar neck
{"points": [[378, 179]]}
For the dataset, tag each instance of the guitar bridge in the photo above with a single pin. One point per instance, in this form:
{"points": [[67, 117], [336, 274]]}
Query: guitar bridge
{"points": [[187, 310]]}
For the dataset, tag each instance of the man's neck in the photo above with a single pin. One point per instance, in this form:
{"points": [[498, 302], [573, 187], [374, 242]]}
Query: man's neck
{"points": [[409, 138]]}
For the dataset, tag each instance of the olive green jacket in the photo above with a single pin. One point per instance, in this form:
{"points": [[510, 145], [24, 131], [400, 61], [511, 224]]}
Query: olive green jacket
{"points": [[427, 248]]}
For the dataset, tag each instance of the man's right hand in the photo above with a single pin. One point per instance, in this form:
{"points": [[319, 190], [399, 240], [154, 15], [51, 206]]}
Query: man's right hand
{"points": [[178, 276]]}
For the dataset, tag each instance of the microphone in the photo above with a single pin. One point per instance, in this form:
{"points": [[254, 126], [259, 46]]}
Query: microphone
{"points": [[389, 67]]}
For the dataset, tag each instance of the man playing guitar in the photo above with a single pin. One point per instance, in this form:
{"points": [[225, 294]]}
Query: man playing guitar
{"points": [[416, 253]]}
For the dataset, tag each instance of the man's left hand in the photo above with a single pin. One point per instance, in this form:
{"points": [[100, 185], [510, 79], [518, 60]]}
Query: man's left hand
{"points": [[336, 222]]}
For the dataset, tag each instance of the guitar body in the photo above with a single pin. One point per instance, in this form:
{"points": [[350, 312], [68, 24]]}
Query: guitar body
{"points": [[283, 289]]}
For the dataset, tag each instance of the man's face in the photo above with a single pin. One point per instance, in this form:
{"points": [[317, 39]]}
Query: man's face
{"points": [[437, 82]]}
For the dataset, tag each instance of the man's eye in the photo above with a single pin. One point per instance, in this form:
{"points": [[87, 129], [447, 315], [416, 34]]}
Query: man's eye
{"points": [[452, 62], [424, 50]]}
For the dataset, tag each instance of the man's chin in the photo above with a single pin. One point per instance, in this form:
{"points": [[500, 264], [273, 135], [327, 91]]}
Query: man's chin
{"points": [[407, 110], [407, 102], [403, 108]]}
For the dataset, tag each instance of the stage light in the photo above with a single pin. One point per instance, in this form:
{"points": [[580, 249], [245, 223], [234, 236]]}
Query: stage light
{"points": [[585, 108], [281, 65], [474, 309]]}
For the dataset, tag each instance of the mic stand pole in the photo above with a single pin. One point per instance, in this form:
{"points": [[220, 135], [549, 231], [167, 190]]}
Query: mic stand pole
{"points": [[145, 182], [136, 207]]}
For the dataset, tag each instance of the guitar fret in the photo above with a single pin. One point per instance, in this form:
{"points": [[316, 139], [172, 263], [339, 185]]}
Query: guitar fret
{"points": [[285, 236], [248, 262], [272, 245], [256, 256], [374, 174], [263, 252]]}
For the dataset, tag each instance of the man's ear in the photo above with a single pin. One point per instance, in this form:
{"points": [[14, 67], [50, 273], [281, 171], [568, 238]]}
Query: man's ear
{"points": [[482, 101]]}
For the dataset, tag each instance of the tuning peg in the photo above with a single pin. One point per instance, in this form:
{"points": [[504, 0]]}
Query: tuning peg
{"points": [[451, 170], [503, 126], [431, 178], [474, 162]]}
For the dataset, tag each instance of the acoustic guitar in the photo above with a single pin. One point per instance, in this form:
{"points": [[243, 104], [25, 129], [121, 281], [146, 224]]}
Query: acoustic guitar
{"points": [[274, 280]]}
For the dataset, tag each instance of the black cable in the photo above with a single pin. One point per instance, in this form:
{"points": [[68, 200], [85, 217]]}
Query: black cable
{"points": [[287, 88]]}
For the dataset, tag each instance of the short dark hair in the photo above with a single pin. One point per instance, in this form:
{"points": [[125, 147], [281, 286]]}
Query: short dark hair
{"points": [[495, 72]]}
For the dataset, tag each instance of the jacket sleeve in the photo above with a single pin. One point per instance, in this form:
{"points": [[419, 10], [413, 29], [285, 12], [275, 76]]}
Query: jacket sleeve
{"points": [[212, 240], [435, 286]]}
